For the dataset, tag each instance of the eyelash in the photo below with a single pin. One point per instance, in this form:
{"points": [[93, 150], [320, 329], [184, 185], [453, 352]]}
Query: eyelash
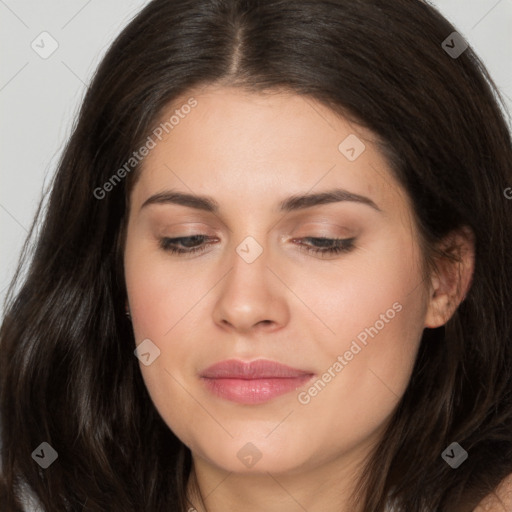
{"points": [[341, 245]]}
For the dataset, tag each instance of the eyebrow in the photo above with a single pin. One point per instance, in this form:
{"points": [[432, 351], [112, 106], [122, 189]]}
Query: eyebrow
{"points": [[292, 203]]}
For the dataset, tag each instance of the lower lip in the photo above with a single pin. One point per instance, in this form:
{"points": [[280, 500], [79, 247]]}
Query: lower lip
{"points": [[254, 391]]}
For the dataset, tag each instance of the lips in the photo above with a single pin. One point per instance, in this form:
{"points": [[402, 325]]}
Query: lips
{"points": [[259, 369], [253, 382]]}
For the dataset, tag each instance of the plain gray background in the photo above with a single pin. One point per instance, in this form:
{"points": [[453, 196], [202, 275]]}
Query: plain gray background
{"points": [[39, 97]]}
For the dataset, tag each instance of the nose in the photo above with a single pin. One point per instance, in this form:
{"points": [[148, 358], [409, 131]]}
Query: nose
{"points": [[250, 297]]}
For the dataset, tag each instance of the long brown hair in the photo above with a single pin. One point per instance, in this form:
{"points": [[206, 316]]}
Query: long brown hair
{"points": [[68, 373]]}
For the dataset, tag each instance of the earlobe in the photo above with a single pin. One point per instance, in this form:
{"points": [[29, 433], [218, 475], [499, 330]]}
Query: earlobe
{"points": [[452, 278]]}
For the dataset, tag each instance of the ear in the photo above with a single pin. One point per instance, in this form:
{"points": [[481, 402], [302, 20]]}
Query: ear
{"points": [[451, 280]]}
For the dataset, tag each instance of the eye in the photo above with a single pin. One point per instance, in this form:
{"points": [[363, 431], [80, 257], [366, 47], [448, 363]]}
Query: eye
{"points": [[320, 245], [169, 244], [327, 246]]}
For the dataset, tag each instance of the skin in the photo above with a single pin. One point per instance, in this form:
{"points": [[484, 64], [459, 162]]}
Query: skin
{"points": [[249, 152]]}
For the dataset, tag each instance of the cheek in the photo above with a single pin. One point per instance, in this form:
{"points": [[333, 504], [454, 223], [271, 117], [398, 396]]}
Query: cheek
{"points": [[159, 293], [373, 281], [165, 304], [159, 300], [375, 308]]}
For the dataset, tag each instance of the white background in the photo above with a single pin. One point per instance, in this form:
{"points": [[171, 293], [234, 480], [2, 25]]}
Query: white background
{"points": [[39, 98]]}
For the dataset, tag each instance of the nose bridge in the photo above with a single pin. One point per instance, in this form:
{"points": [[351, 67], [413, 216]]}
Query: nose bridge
{"points": [[249, 274], [248, 296]]}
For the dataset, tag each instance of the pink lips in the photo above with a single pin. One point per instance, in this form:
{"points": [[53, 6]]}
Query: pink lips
{"points": [[254, 382]]}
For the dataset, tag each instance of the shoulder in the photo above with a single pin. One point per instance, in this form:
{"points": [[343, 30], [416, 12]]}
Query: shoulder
{"points": [[500, 500]]}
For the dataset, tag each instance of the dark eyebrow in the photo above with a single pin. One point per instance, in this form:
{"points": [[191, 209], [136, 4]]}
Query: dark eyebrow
{"points": [[299, 202], [296, 202], [193, 201]]}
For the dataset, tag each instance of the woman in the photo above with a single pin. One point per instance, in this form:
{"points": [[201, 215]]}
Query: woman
{"points": [[272, 272]]}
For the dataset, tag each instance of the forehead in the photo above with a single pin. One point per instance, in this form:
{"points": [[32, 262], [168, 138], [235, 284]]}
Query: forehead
{"points": [[261, 147]]}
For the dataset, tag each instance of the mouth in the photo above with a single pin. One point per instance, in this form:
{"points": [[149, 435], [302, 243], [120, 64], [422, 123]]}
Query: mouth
{"points": [[254, 382]]}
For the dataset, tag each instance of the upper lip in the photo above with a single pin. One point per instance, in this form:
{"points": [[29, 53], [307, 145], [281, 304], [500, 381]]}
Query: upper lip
{"points": [[258, 369]]}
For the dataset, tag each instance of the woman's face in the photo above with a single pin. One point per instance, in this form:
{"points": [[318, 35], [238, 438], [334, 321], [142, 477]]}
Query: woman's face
{"points": [[347, 323]]}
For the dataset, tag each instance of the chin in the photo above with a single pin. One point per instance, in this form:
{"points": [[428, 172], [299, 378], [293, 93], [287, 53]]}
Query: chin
{"points": [[256, 456]]}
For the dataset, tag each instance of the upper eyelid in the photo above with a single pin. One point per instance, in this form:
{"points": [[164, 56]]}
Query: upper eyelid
{"points": [[309, 236], [317, 219], [305, 226]]}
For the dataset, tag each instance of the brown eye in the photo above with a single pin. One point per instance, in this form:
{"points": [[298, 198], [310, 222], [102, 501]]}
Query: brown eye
{"points": [[328, 246], [189, 244]]}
